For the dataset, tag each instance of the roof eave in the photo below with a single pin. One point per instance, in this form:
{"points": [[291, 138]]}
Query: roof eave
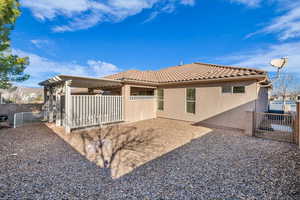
{"points": [[50, 81], [228, 79], [239, 78], [62, 78], [127, 81]]}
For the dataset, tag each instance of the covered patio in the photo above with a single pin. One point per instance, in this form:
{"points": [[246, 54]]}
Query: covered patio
{"points": [[78, 102]]}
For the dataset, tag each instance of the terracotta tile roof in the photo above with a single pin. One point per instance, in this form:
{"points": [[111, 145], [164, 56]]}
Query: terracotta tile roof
{"points": [[188, 72]]}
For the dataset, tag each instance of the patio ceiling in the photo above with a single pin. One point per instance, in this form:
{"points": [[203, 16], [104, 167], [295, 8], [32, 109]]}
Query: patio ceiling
{"points": [[82, 82]]}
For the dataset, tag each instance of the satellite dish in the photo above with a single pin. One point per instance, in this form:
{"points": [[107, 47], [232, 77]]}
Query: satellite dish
{"points": [[279, 63]]}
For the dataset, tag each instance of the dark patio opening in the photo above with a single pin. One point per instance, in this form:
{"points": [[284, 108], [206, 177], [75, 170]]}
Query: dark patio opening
{"points": [[139, 91]]}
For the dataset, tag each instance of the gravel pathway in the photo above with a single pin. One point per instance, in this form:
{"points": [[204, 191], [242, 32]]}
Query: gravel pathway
{"points": [[37, 164]]}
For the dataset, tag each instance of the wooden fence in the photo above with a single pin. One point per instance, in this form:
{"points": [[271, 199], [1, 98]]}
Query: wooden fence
{"points": [[90, 110]]}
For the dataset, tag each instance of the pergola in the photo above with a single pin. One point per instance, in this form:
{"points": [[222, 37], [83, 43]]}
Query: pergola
{"points": [[57, 92]]}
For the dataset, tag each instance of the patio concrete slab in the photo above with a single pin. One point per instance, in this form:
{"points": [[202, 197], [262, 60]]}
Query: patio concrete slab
{"points": [[141, 141]]}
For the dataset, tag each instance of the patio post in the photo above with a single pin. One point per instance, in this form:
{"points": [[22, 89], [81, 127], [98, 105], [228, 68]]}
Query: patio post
{"points": [[45, 94], [58, 106], [126, 95], [51, 111], [46, 104], [68, 107]]}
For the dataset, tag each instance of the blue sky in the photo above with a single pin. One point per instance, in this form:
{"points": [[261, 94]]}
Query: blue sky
{"points": [[100, 37]]}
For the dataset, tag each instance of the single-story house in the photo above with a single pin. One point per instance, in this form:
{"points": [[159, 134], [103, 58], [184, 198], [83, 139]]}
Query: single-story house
{"points": [[209, 94]]}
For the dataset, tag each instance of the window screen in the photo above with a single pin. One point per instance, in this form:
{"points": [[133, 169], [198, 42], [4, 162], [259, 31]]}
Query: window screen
{"points": [[239, 89], [160, 99], [226, 89], [191, 100], [234, 89]]}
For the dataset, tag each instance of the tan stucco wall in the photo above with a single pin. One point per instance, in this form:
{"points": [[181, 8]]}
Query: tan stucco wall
{"points": [[212, 107], [136, 110], [140, 110]]}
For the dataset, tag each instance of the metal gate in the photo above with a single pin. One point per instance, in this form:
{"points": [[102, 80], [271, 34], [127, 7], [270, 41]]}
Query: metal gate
{"points": [[24, 118], [280, 127]]}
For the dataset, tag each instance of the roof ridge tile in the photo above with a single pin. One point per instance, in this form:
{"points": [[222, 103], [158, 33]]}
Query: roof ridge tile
{"points": [[188, 72]]}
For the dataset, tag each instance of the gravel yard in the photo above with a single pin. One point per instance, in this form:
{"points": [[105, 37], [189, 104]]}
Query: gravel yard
{"points": [[37, 164]]}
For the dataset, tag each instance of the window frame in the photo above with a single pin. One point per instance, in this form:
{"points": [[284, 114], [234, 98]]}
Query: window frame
{"points": [[232, 91], [160, 99], [190, 101], [231, 88], [240, 86]]}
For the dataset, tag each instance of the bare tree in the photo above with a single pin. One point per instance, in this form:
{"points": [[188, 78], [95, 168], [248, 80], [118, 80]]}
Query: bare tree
{"points": [[284, 86], [296, 91]]}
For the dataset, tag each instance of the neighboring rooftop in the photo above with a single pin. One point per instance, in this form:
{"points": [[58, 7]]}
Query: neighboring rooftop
{"points": [[188, 72]]}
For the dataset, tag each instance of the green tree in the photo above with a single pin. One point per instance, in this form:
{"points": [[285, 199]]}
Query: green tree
{"points": [[11, 66]]}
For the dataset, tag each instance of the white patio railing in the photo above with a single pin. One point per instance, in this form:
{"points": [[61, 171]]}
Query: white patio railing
{"points": [[88, 110], [141, 97]]}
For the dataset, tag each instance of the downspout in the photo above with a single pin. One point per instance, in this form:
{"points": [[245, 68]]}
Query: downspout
{"points": [[259, 84]]}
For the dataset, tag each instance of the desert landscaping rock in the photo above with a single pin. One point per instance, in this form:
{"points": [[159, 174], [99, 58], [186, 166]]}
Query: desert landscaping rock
{"points": [[37, 164]]}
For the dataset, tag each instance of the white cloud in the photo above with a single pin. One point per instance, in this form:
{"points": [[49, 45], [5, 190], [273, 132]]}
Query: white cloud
{"points": [[101, 68], [250, 3], [168, 8], [40, 43], [83, 14], [41, 68], [49, 9], [261, 58], [188, 2], [287, 25]]}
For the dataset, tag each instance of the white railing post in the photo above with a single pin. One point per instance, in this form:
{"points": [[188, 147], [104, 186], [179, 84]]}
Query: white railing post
{"points": [[122, 108], [15, 120], [22, 118], [68, 106], [141, 97]]}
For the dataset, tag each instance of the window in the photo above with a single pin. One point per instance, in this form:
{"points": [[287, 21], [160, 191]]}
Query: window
{"points": [[226, 89], [160, 99], [138, 91], [239, 89], [191, 100], [233, 89]]}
